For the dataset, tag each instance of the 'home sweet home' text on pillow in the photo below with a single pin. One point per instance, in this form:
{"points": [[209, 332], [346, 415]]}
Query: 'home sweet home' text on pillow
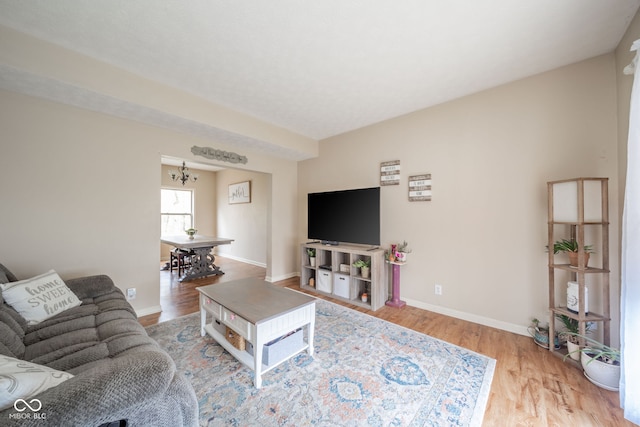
{"points": [[40, 297]]}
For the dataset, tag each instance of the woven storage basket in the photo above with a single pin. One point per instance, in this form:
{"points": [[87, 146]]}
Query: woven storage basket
{"points": [[235, 339]]}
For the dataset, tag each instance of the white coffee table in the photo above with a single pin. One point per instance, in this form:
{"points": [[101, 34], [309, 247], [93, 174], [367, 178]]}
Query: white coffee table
{"points": [[260, 312]]}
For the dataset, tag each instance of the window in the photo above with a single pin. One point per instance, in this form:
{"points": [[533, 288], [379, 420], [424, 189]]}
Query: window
{"points": [[176, 211]]}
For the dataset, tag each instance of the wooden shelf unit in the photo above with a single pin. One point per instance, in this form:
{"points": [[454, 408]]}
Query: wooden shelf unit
{"points": [[332, 257], [577, 227]]}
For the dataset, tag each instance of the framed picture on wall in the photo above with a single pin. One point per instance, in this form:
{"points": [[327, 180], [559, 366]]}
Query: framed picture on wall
{"points": [[240, 192]]}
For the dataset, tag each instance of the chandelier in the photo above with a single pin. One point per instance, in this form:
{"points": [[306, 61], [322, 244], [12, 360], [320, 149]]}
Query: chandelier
{"points": [[183, 174]]}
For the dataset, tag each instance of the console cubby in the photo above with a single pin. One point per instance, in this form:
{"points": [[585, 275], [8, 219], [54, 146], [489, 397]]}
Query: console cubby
{"points": [[335, 263]]}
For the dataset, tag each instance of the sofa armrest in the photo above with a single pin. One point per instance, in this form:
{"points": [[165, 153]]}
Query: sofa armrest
{"points": [[91, 286], [117, 389]]}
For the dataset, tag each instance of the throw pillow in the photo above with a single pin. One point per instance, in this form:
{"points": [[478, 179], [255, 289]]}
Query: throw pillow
{"points": [[40, 297], [23, 380]]}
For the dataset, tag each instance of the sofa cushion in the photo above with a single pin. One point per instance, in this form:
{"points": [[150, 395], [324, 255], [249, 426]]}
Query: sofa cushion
{"points": [[40, 297], [102, 327], [23, 380]]}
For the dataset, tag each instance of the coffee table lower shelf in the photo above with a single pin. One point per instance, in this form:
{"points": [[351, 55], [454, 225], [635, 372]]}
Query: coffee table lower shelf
{"points": [[264, 315], [247, 359]]}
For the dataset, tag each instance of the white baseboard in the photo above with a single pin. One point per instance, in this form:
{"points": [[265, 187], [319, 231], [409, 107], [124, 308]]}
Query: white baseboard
{"points": [[247, 261], [486, 321], [149, 310], [272, 279]]}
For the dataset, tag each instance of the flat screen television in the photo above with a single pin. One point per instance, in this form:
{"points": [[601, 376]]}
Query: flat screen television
{"points": [[348, 216]]}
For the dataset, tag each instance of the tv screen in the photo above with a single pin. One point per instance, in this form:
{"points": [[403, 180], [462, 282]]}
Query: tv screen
{"points": [[348, 216]]}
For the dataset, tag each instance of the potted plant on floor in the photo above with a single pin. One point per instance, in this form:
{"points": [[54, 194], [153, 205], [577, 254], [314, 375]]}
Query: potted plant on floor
{"points": [[572, 329], [571, 248], [601, 364], [540, 334], [312, 256], [363, 265]]}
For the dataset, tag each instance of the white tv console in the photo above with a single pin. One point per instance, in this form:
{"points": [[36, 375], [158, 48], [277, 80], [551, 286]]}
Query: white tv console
{"points": [[346, 284]]}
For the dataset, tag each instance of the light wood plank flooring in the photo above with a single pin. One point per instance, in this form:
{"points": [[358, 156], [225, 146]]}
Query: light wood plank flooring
{"points": [[530, 386]]}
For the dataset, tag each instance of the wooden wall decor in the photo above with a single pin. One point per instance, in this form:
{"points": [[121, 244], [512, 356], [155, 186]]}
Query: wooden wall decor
{"points": [[420, 188], [390, 173], [215, 154]]}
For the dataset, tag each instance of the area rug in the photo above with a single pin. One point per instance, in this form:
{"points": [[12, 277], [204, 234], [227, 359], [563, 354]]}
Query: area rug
{"points": [[365, 371]]}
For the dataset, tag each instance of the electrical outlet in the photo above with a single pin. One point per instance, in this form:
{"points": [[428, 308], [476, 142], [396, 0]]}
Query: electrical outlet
{"points": [[131, 293], [438, 289]]}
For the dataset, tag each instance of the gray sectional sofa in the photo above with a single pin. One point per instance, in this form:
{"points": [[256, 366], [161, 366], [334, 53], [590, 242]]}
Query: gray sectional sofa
{"points": [[119, 373]]}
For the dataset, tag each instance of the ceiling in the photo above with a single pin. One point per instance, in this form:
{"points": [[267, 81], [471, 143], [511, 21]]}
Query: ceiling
{"points": [[321, 68]]}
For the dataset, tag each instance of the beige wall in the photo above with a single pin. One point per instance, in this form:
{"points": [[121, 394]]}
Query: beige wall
{"points": [[246, 223], [483, 235], [86, 195], [204, 194], [81, 195], [85, 198], [89, 199]]}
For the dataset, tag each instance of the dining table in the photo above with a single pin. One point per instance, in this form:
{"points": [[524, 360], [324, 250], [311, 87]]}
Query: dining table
{"points": [[202, 258]]}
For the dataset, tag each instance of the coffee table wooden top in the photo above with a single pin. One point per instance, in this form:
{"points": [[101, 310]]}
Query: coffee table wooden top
{"points": [[254, 299]]}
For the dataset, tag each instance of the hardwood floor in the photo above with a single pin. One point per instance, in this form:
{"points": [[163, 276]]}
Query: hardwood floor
{"points": [[530, 386]]}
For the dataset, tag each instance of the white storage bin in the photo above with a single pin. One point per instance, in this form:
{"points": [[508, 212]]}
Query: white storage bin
{"points": [[219, 326], [341, 285], [324, 281], [280, 348]]}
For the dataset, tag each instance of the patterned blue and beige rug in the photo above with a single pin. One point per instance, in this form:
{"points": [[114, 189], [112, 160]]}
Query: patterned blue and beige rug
{"points": [[365, 371]]}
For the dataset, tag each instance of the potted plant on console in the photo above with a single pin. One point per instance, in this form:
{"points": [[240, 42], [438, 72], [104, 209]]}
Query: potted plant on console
{"points": [[571, 248], [363, 265], [312, 256]]}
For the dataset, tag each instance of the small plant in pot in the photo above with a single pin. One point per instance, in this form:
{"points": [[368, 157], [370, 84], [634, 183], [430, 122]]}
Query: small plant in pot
{"points": [[191, 232], [389, 255], [540, 334], [571, 248], [572, 329], [312, 256], [402, 251], [363, 265], [601, 363]]}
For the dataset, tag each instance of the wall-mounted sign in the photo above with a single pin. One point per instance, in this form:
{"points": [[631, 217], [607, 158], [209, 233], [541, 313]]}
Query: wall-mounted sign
{"points": [[240, 192], [215, 154], [390, 173], [420, 188]]}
